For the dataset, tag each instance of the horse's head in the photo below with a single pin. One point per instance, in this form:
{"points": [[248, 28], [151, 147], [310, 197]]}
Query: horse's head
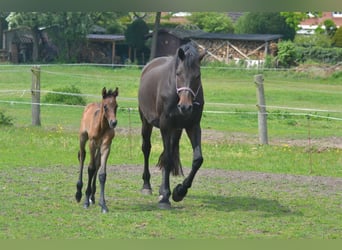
{"points": [[188, 76], [110, 106]]}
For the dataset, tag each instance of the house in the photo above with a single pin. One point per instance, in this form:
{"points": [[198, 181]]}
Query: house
{"points": [[309, 25]]}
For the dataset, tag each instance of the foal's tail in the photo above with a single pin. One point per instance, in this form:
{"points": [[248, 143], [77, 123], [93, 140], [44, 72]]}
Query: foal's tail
{"points": [[176, 168]]}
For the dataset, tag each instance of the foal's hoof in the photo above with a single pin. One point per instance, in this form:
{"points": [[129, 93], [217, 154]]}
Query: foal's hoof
{"points": [[146, 191], [179, 193]]}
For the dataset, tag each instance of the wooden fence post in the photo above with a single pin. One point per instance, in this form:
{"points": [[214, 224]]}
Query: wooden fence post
{"points": [[262, 115], [35, 92]]}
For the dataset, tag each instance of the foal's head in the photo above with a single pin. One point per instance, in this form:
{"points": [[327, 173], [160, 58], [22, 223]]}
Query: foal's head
{"points": [[188, 76], [110, 106]]}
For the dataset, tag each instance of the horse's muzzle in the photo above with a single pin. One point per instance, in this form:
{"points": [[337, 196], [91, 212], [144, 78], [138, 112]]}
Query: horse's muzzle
{"points": [[185, 109]]}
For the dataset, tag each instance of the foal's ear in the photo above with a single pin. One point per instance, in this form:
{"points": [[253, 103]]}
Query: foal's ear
{"points": [[104, 92], [116, 92], [181, 54]]}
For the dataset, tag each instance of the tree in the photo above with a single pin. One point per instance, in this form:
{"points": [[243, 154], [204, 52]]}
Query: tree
{"points": [[68, 29], [216, 22], [155, 36], [30, 20], [330, 27], [135, 35], [337, 38], [3, 25], [264, 23]]}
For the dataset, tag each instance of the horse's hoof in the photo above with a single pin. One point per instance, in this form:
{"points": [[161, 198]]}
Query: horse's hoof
{"points": [[179, 193], [86, 205], [104, 209], [164, 205], [78, 196], [146, 191]]}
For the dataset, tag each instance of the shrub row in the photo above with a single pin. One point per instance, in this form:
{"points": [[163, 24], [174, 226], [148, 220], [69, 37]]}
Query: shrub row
{"points": [[320, 54]]}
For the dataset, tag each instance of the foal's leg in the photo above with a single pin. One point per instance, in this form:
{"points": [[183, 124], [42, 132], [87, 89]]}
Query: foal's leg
{"points": [[81, 158], [146, 132], [105, 150], [93, 186], [194, 134], [91, 171]]}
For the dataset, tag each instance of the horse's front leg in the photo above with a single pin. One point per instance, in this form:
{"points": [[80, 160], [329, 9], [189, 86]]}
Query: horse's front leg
{"points": [[164, 190], [146, 149], [194, 134], [105, 150]]}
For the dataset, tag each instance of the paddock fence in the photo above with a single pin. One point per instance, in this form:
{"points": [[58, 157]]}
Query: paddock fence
{"points": [[18, 103]]}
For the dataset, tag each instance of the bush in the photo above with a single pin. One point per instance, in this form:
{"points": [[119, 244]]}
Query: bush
{"points": [[66, 98], [319, 54], [286, 53], [5, 120]]}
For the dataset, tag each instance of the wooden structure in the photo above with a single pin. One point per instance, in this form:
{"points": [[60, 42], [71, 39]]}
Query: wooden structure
{"points": [[18, 45], [220, 47], [105, 39]]}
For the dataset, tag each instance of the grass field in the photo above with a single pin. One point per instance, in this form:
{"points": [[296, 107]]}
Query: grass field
{"points": [[290, 189]]}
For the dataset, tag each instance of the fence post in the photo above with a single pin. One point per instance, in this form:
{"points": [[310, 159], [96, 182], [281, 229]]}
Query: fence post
{"points": [[262, 115], [35, 92]]}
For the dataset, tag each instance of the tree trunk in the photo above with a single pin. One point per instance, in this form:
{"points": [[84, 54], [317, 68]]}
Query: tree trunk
{"points": [[155, 36], [36, 37]]}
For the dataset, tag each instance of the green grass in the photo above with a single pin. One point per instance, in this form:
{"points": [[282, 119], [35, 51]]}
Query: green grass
{"points": [[39, 164]]}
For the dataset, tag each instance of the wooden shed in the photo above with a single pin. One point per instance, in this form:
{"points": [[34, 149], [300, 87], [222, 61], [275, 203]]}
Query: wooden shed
{"points": [[220, 47], [102, 39]]}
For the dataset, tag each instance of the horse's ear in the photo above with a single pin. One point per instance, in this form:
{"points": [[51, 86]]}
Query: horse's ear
{"points": [[181, 54], [116, 92], [104, 92], [203, 53]]}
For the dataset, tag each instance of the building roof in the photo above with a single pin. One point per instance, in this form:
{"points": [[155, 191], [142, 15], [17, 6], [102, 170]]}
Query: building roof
{"points": [[105, 37], [243, 37], [200, 34], [314, 21]]}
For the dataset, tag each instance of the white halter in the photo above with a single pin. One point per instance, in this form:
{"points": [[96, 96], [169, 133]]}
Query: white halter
{"points": [[187, 89]]}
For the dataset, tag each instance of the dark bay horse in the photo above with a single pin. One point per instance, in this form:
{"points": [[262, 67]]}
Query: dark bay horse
{"points": [[171, 99], [97, 125]]}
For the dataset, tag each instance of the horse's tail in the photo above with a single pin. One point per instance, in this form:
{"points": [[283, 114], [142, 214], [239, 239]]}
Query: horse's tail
{"points": [[176, 168]]}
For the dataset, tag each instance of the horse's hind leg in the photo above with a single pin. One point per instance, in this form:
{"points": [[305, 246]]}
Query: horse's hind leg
{"points": [[180, 191], [81, 158], [146, 132]]}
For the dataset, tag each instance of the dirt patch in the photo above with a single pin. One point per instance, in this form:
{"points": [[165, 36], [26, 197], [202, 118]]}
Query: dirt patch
{"points": [[219, 136], [295, 184], [319, 70]]}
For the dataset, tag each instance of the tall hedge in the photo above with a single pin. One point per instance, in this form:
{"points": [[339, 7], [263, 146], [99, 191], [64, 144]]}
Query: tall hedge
{"points": [[316, 53]]}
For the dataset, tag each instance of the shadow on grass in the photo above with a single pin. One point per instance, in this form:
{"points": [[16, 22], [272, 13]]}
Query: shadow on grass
{"points": [[246, 203]]}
